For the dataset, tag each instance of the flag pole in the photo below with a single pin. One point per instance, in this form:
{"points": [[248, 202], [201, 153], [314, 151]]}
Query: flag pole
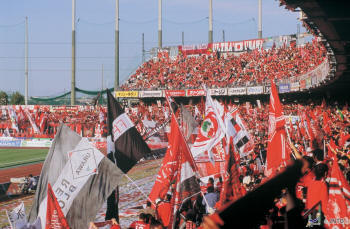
{"points": [[8, 218], [139, 189], [294, 153]]}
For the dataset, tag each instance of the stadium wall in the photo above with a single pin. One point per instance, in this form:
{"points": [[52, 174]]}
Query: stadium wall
{"points": [[7, 142]]}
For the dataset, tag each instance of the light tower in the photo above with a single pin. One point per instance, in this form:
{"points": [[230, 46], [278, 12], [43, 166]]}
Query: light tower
{"points": [[160, 24], [72, 97], [210, 35], [116, 51], [259, 19]]}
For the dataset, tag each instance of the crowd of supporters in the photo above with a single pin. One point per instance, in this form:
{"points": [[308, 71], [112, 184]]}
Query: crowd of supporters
{"points": [[43, 121], [215, 70], [317, 132]]}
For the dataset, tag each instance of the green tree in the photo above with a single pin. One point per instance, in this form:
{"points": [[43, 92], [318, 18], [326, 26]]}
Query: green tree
{"points": [[17, 99], [4, 98]]}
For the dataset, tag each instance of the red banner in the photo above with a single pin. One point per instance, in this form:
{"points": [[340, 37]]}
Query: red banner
{"points": [[195, 49], [195, 92], [175, 93], [302, 84]]}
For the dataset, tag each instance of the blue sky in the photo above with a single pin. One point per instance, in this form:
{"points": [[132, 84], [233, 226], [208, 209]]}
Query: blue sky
{"points": [[50, 36]]}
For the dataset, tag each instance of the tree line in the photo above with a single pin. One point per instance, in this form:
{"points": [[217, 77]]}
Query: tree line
{"points": [[14, 99]]}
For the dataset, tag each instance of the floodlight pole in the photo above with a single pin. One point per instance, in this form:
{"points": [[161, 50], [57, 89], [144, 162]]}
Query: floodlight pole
{"points": [[143, 48], [116, 51], [26, 65], [210, 39], [72, 97], [160, 24], [102, 78], [183, 38], [260, 19]]}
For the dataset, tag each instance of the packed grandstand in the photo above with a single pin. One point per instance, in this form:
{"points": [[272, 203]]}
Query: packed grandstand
{"points": [[250, 68]]}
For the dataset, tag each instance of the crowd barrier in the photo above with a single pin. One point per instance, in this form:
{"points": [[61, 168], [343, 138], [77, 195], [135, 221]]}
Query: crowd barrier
{"points": [[42, 142]]}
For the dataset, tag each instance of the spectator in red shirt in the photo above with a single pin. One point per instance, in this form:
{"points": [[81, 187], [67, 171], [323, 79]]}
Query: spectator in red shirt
{"points": [[141, 223], [317, 189], [163, 211]]}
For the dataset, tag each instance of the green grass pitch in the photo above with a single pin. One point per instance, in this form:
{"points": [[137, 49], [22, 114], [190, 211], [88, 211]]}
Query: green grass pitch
{"points": [[14, 157]]}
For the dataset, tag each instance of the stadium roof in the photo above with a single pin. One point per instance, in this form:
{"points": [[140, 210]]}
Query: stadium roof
{"points": [[332, 19]]}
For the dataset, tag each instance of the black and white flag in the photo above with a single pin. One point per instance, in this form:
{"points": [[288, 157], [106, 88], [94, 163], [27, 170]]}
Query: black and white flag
{"points": [[81, 176]]}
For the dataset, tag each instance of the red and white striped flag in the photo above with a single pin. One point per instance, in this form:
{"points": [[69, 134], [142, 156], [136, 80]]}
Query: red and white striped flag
{"points": [[338, 215], [54, 215], [277, 150]]}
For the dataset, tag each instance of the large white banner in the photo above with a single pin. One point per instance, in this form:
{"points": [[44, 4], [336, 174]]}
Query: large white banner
{"points": [[237, 91], [294, 86], [83, 163], [150, 94], [255, 90], [218, 91]]}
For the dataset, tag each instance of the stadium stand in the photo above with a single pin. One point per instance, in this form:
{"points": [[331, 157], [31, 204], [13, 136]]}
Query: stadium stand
{"points": [[247, 69]]}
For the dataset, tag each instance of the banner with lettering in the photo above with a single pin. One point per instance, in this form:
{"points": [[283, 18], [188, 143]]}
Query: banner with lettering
{"points": [[195, 49], [237, 91], [238, 46]]}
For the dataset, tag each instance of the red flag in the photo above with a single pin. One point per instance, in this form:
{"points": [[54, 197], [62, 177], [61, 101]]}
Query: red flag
{"points": [[42, 123], [308, 127], [298, 132], [332, 147], [326, 126], [232, 188], [277, 150], [186, 181], [302, 128], [343, 138], [166, 172], [312, 115], [54, 214], [317, 133], [339, 198]]}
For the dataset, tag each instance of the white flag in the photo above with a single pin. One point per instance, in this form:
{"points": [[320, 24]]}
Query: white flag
{"points": [[17, 216], [212, 130]]}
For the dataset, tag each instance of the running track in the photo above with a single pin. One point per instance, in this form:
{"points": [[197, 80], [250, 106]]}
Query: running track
{"points": [[21, 171]]}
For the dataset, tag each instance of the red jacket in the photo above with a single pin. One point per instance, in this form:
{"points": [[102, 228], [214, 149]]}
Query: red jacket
{"points": [[164, 212], [317, 191]]}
